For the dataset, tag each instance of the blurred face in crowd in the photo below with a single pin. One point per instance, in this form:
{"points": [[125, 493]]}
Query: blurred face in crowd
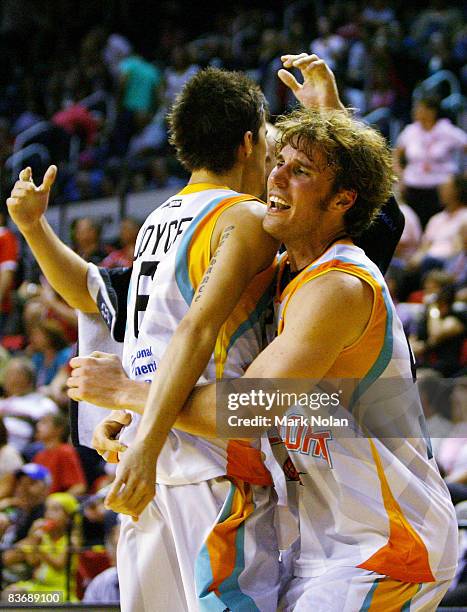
{"points": [[38, 340], [32, 492], [17, 379], [85, 233], [425, 115], [448, 194], [128, 232], [46, 430], [56, 513]]}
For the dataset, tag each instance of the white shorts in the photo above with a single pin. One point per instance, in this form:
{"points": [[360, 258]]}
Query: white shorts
{"points": [[351, 589], [202, 547]]}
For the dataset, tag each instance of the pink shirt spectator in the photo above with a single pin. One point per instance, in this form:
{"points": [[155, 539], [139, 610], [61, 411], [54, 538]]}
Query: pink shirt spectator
{"points": [[442, 232], [430, 154]]}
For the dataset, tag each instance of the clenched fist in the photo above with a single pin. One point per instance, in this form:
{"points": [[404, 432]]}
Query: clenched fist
{"points": [[27, 202]]}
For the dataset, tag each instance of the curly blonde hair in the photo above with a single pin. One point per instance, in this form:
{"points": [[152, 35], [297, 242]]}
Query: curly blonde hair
{"points": [[358, 154]]}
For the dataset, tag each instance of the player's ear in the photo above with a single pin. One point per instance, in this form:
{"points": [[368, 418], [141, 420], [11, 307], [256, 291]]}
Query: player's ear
{"points": [[344, 199], [246, 147]]}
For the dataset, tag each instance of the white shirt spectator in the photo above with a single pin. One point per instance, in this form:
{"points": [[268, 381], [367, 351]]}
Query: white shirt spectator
{"points": [[21, 412], [10, 460], [442, 232], [103, 588]]}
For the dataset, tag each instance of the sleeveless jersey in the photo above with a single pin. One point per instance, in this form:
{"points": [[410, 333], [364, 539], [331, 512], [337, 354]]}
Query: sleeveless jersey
{"points": [[172, 254], [378, 503]]}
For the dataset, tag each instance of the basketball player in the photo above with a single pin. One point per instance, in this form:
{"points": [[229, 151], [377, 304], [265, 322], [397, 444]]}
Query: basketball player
{"points": [[377, 527], [194, 298]]}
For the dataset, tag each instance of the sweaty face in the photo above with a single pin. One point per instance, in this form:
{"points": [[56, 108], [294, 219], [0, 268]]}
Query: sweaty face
{"points": [[299, 190]]}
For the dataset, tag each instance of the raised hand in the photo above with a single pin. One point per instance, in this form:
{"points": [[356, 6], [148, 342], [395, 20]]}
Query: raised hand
{"points": [[319, 89], [27, 202]]}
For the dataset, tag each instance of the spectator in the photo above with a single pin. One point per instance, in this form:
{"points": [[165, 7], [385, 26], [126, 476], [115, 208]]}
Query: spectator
{"points": [[411, 236], [17, 513], [138, 99], [86, 237], [440, 241], [10, 462], [49, 351], [456, 266], [59, 457], [425, 156], [123, 257], [9, 257], [46, 548], [104, 587], [440, 335], [23, 405]]}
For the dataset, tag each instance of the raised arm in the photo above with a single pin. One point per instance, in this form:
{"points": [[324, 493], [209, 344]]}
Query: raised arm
{"points": [[63, 268]]}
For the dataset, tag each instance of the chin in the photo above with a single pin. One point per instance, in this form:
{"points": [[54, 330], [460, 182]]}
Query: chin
{"points": [[272, 228]]}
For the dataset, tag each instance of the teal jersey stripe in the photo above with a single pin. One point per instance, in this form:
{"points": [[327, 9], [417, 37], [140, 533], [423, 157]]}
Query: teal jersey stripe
{"points": [[182, 276], [367, 601], [231, 594], [406, 606], [254, 317], [385, 354]]}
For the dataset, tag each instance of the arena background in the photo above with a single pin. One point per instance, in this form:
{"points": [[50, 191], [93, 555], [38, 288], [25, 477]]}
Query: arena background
{"points": [[61, 102]]}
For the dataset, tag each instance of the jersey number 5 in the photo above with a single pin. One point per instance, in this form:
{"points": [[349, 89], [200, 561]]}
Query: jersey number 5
{"points": [[148, 268]]}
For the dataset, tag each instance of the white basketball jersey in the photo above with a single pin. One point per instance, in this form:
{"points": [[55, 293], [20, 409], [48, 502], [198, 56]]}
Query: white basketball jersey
{"points": [[375, 501], [172, 254]]}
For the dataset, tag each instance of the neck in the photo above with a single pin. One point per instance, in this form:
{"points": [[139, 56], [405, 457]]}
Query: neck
{"points": [[52, 444], [452, 206], [301, 254], [231, 179], [427, 125]]}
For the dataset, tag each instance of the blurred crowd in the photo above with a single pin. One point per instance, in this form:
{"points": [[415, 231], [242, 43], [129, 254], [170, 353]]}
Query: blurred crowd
{"points": [[96, 100]]}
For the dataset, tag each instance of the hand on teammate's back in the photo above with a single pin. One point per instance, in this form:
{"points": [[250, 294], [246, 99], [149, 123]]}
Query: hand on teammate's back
{"points": [[27, 202]]}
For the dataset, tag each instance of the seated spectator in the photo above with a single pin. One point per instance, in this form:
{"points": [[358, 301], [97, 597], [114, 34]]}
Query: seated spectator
{"points": [[456, 266], [440, 335], [432, 283], [46, 547], [23, 405], [18, 512], [440, 241], [86, 238], [411, 236], [49, 351], [123, 257], [104, 588], [453, 451], [9, 257], [59, 457], [77, 121], [10, 462]]}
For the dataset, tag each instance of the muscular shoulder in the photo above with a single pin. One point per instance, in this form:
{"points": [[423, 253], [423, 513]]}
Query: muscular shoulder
{"points": [[336, 301], [245, 223]]}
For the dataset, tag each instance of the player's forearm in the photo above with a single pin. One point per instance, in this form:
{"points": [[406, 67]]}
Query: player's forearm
{"points": [[65, 270], [184, 361]]}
